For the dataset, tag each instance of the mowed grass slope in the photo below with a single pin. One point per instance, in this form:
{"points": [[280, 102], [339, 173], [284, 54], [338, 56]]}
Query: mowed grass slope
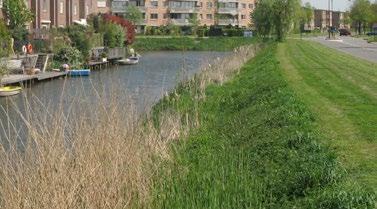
{"points": [[342, 92], [257, 147]]}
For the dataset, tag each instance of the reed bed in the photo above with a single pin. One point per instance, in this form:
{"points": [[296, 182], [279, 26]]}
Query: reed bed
{"points": [[95, 154]]}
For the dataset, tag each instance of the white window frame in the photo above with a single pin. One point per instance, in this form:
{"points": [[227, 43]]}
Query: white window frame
{"points": [[61, 7]]}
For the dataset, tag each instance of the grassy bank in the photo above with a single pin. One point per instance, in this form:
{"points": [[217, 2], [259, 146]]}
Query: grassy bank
{"points": [[341, 91], [190, 43], [257, 146]]}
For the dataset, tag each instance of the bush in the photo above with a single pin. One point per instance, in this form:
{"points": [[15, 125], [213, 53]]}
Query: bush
{"points": [[69, 55], [80, 39], [215, 31], [4, 40], [233, 32], [113, 35]]}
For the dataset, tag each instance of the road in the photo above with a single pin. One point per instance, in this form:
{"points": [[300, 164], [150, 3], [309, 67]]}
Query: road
{"points": [[354, 46]]}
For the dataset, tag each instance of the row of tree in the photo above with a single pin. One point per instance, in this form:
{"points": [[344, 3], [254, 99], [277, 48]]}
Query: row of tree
{"points": [[278, 17], [363, 14]]}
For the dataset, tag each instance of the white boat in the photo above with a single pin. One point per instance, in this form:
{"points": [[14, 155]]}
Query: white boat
{"points": [[129, 61], [9, 91]]}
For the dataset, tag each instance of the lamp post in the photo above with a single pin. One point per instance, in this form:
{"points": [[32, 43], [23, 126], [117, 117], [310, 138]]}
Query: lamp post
{"points": [[329, 16]]}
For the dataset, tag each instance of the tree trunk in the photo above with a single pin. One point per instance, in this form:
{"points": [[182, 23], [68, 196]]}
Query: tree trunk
{"points": [[359, 27]]}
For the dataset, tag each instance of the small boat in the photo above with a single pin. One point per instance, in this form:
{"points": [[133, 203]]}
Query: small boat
{"points": [[81, 72], [9, 91], [129, 61]]}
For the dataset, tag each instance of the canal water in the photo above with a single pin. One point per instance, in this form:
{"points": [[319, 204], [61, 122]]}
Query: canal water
{"points": [[142, 84]]}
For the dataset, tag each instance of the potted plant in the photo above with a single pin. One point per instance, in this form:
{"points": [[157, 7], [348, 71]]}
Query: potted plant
{"points": [[104, 57]]}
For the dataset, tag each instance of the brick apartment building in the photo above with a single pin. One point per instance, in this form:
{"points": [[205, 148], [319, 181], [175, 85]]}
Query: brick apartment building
{"points": [[61, 13], [324, 18], [178, 12]]}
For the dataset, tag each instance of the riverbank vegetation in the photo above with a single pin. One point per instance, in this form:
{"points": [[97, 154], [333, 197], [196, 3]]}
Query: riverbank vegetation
{"points": [[257, 146], [190, 43], [87, 154]]}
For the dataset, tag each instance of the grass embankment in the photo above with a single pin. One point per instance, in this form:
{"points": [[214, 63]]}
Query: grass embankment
{"points": [[341, 91], [190, 43], [256, 147]]}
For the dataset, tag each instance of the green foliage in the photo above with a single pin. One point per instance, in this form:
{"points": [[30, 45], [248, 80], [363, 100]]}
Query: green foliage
{"points": [[113, 35], [276, 16], [361, 13], [79, 38], [133, 14], [69, 55], [194, 22], [257, 147], [4, 40], [17, 13]]}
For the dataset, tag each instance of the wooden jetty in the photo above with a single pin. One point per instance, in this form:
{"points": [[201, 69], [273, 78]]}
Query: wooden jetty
{"points": [[21, 78]]}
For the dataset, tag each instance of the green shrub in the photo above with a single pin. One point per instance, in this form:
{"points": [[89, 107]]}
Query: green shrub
{"points": [[80, 39], [113, 35], [69, 55], [4, 40]]}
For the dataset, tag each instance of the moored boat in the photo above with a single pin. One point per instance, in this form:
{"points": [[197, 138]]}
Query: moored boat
{"points": [[9, 91], [129, 61], [81, 72]]}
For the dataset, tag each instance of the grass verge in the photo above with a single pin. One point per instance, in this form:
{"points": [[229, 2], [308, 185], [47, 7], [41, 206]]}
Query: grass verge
{"points": [[190, 43], [341, 91], [256, 147]]}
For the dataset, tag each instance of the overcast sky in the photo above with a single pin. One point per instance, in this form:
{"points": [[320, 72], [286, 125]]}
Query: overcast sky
{"points": [[341, 5]]}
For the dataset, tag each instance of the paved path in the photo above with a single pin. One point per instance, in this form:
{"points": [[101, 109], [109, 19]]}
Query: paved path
{"points": [[354, 46]]}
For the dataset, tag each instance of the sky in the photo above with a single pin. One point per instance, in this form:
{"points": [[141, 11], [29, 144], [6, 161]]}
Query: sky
{"points": [[341, 5]]}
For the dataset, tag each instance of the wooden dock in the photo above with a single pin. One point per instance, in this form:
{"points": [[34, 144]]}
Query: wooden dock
{"points": [[98, 65], [21, 78]]}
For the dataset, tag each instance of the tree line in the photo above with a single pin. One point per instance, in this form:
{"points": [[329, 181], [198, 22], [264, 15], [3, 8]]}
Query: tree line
{"points": [[280, 17]]}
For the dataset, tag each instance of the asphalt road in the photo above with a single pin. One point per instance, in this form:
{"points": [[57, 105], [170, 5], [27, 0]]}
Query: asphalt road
{"points": [[354, 46]]}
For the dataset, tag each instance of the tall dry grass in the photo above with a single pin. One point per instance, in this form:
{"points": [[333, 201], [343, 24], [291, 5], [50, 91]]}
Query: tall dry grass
{"points": [[94, 155]]}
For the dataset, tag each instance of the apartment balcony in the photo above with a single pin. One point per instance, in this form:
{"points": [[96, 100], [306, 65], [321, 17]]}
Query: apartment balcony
{"points": [[119, 6], [186, 10], [227, 10], [180, 22], [228, 22]]}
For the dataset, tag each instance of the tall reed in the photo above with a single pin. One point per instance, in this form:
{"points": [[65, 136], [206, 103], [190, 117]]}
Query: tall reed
{"points": [[95, 154]]}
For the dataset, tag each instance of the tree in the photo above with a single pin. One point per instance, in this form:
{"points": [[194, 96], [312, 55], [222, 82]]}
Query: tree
{"points": [[360, 13], [307, 14], [133, 14], [262, 20], [113, 35], [194, 22], [17, 13], [277, 16]]}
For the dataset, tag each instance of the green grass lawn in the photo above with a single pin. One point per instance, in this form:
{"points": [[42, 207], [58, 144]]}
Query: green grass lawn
{"points": [[259, 145], [342, 93], [146, 43]]}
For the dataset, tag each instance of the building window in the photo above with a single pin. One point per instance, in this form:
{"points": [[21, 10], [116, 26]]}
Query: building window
{"points": [[44, 5], [154, 3], [251, 6], [201, 16], [75, 10], [165, 16], [243, 6], [209, 16], [243, 17], [61, 7], [209, 4], [154, 16], [200, 4]]}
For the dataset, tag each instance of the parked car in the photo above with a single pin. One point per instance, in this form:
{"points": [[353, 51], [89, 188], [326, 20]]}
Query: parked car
{"points": [[344, 32], [372, 33]]}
